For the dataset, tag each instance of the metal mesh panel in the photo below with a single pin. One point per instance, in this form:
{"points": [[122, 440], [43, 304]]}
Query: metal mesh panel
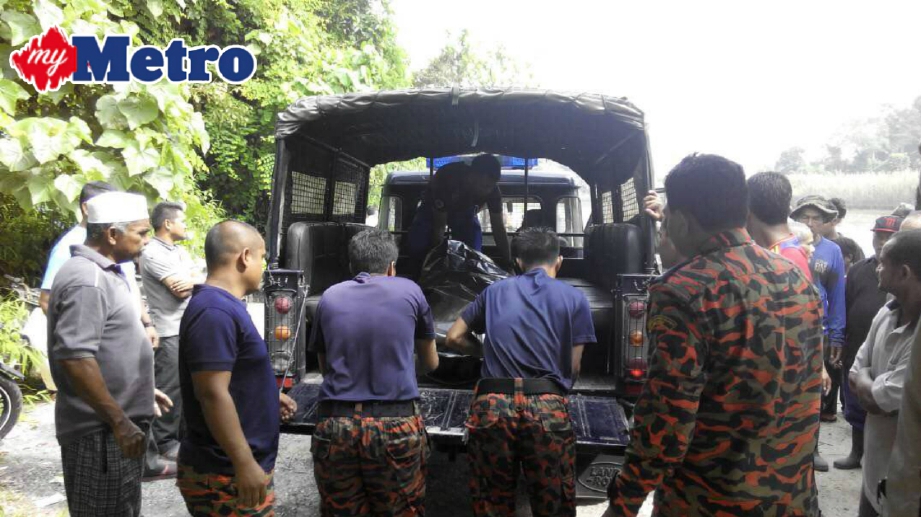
{"points": [[308, 194], [344, 198], [350, 191], [630, 208], [607, 207]]}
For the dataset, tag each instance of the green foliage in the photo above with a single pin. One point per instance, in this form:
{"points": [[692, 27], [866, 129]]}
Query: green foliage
{"points": [[885, 143], [25, 232], [460, 63], [379, 175], [139, 137], [13, 350], [303, 47]]}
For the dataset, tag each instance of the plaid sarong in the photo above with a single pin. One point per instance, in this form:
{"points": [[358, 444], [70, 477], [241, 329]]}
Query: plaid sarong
{"points": [[98, 479]]}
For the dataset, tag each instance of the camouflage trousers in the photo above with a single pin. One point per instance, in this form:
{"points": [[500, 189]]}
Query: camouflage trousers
{"points": [[370, 466], [508, 434], [213, 495]]}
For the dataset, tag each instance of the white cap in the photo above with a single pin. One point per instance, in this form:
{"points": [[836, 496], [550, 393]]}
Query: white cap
{"points": [[116, 207]]}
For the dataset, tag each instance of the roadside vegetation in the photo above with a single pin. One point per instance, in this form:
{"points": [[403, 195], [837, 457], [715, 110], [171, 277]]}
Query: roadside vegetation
{"points": [[859, 190]]}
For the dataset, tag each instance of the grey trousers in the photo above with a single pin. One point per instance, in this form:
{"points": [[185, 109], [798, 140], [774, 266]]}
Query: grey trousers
{"points": [[99, 480], [166, 429]]}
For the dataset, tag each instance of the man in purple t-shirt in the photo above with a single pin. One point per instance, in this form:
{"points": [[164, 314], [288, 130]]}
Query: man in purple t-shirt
{"points": [[370, 447], [535, 328]]}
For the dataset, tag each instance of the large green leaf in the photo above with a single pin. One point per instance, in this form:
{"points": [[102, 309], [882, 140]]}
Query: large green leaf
{"points": [[68, 186], [48, 139], [162, 179], [39, 186], [113, 138], [108, 114], [49, 15], [155, 7], [140, 160], [200, 132], [79, 131], [95, 166], [138, 110], [14, 157], [22, 26], [10, 92]]}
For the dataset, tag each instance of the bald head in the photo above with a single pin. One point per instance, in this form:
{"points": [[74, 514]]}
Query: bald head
{"points": [[911, 222], [227, 239]]}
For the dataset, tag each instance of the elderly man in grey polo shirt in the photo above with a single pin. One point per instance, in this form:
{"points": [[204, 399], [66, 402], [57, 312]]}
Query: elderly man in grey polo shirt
{"points": [[168, 276], [102, 362]]}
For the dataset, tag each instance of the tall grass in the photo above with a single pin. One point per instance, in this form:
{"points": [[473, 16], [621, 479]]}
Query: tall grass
{"points": [[859, 190]]}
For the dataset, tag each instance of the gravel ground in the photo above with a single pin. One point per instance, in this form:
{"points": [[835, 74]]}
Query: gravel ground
{"points": [[30, 471]]}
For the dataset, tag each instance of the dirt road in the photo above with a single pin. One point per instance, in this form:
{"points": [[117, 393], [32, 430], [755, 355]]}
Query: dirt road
{"points": [[30, 474]]}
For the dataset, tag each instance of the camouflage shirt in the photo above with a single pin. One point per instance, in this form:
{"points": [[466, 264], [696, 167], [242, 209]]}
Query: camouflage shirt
{"points": [[728, 420]]}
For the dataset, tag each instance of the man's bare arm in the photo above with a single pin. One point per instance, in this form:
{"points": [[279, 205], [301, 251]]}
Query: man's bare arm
{"points": [[499, 233], [577, 350], [212, 389], [43, 298], [459, 338], [88, 383], [426, 355], [321, 359]]}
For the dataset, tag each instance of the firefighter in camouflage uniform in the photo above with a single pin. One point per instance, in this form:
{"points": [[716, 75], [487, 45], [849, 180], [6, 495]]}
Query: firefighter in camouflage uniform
{"points": [[536, 327], [370, 448], [727, 422]]}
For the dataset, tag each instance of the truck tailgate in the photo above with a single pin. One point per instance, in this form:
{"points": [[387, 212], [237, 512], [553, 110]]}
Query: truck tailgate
{"points": [[599, 422]]}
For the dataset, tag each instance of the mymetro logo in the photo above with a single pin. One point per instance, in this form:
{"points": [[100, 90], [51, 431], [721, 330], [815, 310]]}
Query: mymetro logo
{"points": [[50, 60]]}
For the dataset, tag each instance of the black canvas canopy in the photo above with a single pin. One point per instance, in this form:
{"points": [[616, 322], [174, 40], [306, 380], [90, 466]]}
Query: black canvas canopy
{"points": [[599, 137]]}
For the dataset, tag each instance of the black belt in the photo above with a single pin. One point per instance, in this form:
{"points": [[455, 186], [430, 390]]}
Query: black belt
{"points": [[529, 387], [366, 409]]}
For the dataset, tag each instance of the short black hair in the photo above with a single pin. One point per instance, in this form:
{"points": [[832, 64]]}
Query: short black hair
{"points": [[904, 248], [372, 251], [769, 196], [536, 247], [840, 205], [710, 188], [488, 164], [850, 248], [163, 211], [224, 238], [93, 189]]}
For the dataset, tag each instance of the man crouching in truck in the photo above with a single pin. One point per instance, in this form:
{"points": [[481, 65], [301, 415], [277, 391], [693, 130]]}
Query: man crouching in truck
{"points": [[728, 418], [370, 447], [453, 198], [536, 327]]}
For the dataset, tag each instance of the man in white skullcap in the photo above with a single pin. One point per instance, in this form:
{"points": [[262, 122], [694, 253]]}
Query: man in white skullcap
{"points": [[102, 362]]}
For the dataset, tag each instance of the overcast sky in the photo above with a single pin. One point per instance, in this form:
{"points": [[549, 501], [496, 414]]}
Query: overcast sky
{"points": [[742, 79]]}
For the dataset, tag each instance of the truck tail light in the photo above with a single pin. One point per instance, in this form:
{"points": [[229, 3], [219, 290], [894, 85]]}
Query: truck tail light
{"points": [[637, 338], [283, 304]]}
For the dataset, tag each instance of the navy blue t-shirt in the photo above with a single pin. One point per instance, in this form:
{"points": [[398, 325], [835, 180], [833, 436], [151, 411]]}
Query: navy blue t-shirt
{"points": [[367, 329], [217, 334], [531, 323]]}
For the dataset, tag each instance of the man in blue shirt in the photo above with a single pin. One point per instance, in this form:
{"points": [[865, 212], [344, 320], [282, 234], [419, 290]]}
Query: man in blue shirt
{"points": [[828, 275], [536, 327], [231, 403], [370, 447]]}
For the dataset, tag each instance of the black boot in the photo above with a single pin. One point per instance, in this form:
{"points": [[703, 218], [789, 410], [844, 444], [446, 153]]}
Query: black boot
{"points": [[852, 461], [818, 462]]}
